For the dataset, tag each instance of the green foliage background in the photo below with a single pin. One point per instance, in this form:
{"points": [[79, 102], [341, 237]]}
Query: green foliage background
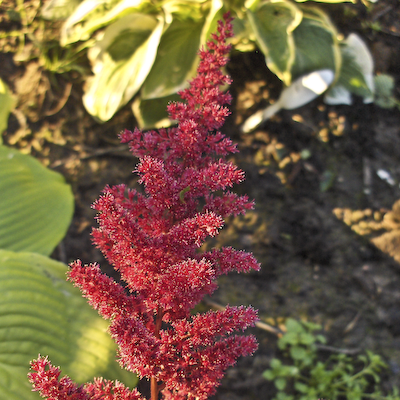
{"points": [[149, 49]]}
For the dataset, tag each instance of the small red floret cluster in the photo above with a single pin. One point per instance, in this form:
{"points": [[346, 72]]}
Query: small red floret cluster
{"points": [[152, 239]]}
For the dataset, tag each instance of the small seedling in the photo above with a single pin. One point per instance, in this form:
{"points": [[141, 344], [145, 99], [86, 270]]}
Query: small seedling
{"points": [[309, 378]]}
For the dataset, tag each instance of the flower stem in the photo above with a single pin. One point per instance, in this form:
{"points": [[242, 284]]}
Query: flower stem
{"points": [[154, 387]]}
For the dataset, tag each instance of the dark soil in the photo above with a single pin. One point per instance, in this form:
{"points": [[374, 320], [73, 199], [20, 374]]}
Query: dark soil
{"points": [[326, 228]]}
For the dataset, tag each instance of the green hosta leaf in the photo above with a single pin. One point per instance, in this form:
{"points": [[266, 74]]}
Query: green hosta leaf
{"points": [[121, 63], [36, 204], [42, 313], [176, 60], [7, 103], [316, 46], [153, 113], [273, 23]]}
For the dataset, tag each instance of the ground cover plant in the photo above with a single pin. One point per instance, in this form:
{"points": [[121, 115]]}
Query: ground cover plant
{"points": [[151, 239], [307, 377]]}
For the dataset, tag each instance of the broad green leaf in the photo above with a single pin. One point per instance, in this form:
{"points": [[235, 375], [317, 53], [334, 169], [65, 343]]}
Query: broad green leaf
{"points": [[176, 59], [153, 113], [42, 313], [7, 103], [36, 204], [121, 63], [316, 46], [273, 24], [91, 16]]}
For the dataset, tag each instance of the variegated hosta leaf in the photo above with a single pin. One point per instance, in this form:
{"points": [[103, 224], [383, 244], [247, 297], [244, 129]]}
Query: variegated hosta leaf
{"points": [[42, 313], [300, 92], [121, 62], [273, 23], [59, 9], [74, 27], [356, 73], [36, 204], [92, 15], [176, 59], [316, 46]]}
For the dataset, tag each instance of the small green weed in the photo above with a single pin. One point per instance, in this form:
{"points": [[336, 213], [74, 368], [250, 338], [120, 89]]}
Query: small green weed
{"points": [[308, 378]]}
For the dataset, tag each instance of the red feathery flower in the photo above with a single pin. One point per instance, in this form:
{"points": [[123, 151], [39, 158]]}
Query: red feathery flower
{"points": [[152, 239]]}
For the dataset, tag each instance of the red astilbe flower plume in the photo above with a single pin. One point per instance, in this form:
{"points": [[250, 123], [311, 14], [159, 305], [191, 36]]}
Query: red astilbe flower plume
{"points": [[152, 239], [46, 380]]}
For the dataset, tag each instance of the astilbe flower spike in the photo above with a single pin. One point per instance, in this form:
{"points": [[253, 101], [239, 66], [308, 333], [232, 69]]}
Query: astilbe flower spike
{"points": [[152, 239]]}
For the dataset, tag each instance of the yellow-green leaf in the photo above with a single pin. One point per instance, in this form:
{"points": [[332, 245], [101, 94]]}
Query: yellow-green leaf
{"points": [[36, 204], [42, 313]]}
